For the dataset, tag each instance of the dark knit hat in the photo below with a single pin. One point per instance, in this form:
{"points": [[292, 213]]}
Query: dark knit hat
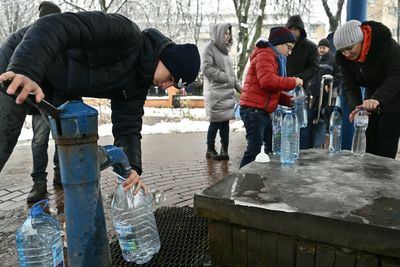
{"points": [[281, 35], [47, 8], [182, 60], [324, 42]]}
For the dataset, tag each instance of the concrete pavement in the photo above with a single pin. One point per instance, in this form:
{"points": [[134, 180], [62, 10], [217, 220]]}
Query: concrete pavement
{"points": [[172, 163]]}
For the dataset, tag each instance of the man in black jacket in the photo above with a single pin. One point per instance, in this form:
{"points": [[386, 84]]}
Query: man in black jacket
{"points": [[40, 138], [92, 54], [369, 57], [302, 63]]}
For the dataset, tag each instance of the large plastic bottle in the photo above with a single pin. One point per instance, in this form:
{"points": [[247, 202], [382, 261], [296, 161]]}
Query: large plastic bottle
{"points": [[335, 131], [300, 106], [289, 145], [135, 224], [359, 140], [39, 239], [277, 118]]}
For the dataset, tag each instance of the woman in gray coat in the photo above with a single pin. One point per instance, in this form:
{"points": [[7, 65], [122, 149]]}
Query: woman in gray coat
{"points": [[220, 83]]}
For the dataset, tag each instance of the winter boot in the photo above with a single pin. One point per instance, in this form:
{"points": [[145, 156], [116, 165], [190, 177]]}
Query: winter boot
{"points": [[224, 152], [38, 192], [212, 153]]}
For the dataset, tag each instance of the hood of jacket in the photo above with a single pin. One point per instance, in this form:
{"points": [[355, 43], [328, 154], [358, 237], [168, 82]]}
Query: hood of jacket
{"points": [[218, 37], [296, 21]]}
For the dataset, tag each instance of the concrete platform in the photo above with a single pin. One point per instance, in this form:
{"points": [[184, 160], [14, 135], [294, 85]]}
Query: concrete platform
{"points": [[331, 208]]}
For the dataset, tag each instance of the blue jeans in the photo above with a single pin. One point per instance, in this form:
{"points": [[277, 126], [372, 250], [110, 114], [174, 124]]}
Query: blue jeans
{"points": [[39, 145], [258, 126], [12, 117], [223, 128]]}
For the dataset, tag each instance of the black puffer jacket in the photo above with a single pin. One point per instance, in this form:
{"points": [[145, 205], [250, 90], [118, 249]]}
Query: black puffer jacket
{"points": [[303, 61], [93, 54], [379, 73]]}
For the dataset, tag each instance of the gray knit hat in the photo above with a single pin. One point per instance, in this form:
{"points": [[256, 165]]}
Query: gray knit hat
{"points": [[348, 34]]}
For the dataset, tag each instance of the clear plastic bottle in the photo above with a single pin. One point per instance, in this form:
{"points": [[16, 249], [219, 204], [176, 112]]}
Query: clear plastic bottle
{"points": [[359, 140], [289, 145], [335, 131], [300, 106], [277, 118], [39, 239], [135, 224]]}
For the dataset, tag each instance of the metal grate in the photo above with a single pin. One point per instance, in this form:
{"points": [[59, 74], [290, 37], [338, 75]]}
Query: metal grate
{"points": [[183, 236]]}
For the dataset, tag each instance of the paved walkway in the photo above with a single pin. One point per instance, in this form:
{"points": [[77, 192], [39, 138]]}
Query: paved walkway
{"points": [[173, 163]]}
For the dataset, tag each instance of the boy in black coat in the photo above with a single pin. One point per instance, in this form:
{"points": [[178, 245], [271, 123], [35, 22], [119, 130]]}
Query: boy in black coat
{"points": [[369, 57], [92, 54]]}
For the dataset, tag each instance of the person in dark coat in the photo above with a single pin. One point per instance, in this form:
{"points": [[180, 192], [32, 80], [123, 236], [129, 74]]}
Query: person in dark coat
{"points": [[327, 65], [264, 88], [92, 54], [302, 63], [368, 56], [40, 138]]}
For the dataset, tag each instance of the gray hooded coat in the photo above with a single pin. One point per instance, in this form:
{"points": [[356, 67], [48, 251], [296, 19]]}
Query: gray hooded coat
{"points": [[219, 77]]}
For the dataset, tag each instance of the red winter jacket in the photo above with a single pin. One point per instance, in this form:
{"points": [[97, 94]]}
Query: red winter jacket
{"points": [[263, 86]]}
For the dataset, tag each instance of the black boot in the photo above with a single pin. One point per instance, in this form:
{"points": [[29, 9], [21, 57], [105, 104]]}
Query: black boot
{"points": [[224, 152], [37, 193], [212, 153]]}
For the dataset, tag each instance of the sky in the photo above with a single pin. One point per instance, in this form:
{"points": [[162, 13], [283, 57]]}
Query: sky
{"points": [[186, 120]]}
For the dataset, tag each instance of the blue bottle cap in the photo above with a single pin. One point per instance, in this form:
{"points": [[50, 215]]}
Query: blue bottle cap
{"points": [[38, 207]]}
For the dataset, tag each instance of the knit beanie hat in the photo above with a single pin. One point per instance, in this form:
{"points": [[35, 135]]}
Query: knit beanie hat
{"points": [[47, 8], [182, 60], [324, 42], [348, 34], [281, 35]]}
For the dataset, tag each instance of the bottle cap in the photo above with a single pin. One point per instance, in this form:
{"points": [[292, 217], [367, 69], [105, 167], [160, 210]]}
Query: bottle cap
{"points": [[38, 207]]}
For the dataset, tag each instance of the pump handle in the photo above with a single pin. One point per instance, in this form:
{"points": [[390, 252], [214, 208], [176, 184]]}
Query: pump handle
{"points": [[42, 105]]}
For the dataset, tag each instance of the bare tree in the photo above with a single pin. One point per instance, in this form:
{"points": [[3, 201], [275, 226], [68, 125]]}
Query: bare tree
{"points": [[398, 21], [334, 20], [250, 28], [292, 7], [14, 15]]}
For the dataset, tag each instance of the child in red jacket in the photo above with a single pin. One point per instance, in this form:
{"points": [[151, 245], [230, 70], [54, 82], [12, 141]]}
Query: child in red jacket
{"points": [[264, 88]]}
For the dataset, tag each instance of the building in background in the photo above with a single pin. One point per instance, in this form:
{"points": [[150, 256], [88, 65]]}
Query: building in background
{"points": [[387, 12]]}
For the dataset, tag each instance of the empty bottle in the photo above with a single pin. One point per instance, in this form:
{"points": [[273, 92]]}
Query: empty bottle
{"points": [[300, 106], [277, 118], [39, 239], [359, 140], [135, 224], [289, 144], [335, 131]]}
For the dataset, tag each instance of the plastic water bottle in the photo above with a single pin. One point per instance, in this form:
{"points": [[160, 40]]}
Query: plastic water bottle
{"points": [[335, 131], [300, 106], [135, 224], [359, 140], [277, 118], [288, 141], [39, 239]]}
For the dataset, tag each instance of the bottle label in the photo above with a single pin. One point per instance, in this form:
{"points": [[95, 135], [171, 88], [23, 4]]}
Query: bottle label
{"points": [[124, 229], [126, 237], [58, 254], [128, 245]]}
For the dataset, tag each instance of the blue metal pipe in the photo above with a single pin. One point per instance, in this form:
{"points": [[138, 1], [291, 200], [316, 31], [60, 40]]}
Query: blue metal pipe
{"points": [[76, 137], [356, 9], [114, 156]]}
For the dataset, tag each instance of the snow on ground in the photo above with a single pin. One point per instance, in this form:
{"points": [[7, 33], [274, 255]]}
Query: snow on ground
{"points": [[183, 121]]}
